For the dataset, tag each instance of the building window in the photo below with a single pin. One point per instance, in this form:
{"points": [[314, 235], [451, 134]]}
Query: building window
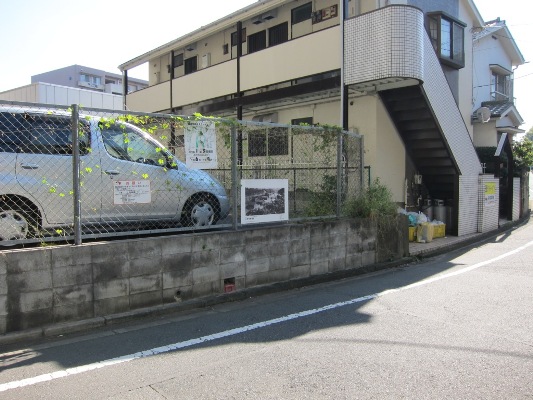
{"points": [[257, 42], [191, 65], [278, 142], [234, 37], [178, 60], [500, 87], [268, 142], [225, 48], [257, 143], [447, 37], [302, 13], [278, 34], [302, 121], [91, 80]]}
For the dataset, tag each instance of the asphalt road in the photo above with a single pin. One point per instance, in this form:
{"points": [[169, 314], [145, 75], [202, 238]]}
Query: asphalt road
{"points": [[456, 326]]}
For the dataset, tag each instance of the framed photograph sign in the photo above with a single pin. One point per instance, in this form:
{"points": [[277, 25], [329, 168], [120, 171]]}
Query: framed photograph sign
{"points": [[264, 200]]}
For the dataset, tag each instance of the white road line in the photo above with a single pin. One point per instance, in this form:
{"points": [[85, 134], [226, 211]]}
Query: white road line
{"points": [[237, 331]]}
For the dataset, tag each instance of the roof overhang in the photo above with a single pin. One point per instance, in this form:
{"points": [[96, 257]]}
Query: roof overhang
{"points": [[498, 30], [509, 129], [513, 115]]}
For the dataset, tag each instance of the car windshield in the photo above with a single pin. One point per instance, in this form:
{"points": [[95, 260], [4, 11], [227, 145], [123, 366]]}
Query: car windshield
{"points": [[123, 142]]}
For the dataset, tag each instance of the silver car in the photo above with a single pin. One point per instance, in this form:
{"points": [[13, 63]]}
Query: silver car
{"points": [[126, 176]]}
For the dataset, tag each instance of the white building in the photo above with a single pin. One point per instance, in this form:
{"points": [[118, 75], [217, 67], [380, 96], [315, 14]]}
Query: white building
{"points": [[76, 84]]}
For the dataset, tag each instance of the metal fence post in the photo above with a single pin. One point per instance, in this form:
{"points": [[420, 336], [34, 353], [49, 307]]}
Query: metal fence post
{"points": [[76, 174], [234, 183], [362, 160], [339, 173]]}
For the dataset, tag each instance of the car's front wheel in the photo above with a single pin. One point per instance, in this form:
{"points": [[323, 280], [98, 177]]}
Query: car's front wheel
{"points": [[200, 210], [15, 223]]}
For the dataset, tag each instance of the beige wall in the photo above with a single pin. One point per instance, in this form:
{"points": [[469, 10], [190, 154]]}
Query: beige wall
{"points": [[205, 84], [485, 135], [152, 99], [390, 157], [466, 74], [384, 149], [263, 68]]}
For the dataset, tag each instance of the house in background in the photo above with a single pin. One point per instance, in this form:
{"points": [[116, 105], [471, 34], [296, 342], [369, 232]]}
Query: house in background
{"points": [[496, 119], [398, 72], [76, 84]]}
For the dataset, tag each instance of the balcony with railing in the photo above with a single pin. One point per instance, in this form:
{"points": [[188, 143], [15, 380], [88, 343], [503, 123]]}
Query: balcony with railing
{"points": [[305, 56]]}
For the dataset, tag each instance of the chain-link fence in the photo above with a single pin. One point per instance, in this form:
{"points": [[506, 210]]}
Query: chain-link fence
{"points": [[69, 174]]}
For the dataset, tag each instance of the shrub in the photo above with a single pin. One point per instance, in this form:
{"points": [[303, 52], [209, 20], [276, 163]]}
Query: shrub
{"points": [[323, 203], [374, 202]]}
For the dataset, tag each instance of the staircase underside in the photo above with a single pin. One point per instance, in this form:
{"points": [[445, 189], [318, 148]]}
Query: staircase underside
{"points": [[423, 138]]}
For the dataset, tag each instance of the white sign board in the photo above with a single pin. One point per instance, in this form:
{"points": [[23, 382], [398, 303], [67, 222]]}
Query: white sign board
{"points": [[200, 145], [131, 192], [264, 200]]}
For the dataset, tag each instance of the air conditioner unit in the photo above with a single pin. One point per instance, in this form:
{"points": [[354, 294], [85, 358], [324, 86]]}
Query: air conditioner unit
{"points": [[270, 15], [482, 114]]}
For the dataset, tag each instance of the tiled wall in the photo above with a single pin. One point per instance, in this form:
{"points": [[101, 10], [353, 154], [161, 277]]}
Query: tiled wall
{"points": [[392, 43], [468, 205], [383, 44], [516, 199]]}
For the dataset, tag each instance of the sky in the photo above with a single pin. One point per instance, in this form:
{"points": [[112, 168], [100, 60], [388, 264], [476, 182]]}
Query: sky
{"points": [[39, 36]]}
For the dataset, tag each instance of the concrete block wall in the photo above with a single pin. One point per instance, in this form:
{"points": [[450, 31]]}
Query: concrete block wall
{"points": [[41, 286]]}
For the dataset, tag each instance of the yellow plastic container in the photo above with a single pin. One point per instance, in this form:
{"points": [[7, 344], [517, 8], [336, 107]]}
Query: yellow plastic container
{"points": [[439, 231], [412, 233]]}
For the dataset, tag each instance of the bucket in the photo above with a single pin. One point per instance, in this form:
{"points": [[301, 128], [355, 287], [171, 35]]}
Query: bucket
{"points": [[449, 215], [439, 211]]}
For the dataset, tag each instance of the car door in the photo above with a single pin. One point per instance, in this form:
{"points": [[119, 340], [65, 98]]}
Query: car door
{"points": [[44, 169], [135, 172]]}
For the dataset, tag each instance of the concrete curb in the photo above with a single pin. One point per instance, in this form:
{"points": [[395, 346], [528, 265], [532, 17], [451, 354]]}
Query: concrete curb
{"points": [[160, 310]]}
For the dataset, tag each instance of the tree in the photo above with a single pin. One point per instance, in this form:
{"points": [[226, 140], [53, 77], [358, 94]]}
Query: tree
{"points": [[529, 134], [523, 152]]}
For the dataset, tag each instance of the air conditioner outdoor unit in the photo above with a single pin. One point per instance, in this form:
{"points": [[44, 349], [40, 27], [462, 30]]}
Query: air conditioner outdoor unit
{"points": [[270, 15]]}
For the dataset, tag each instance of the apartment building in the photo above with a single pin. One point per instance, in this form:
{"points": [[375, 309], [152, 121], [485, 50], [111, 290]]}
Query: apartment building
{"points": [[76, 84], [82, 77], [398, 72]]}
